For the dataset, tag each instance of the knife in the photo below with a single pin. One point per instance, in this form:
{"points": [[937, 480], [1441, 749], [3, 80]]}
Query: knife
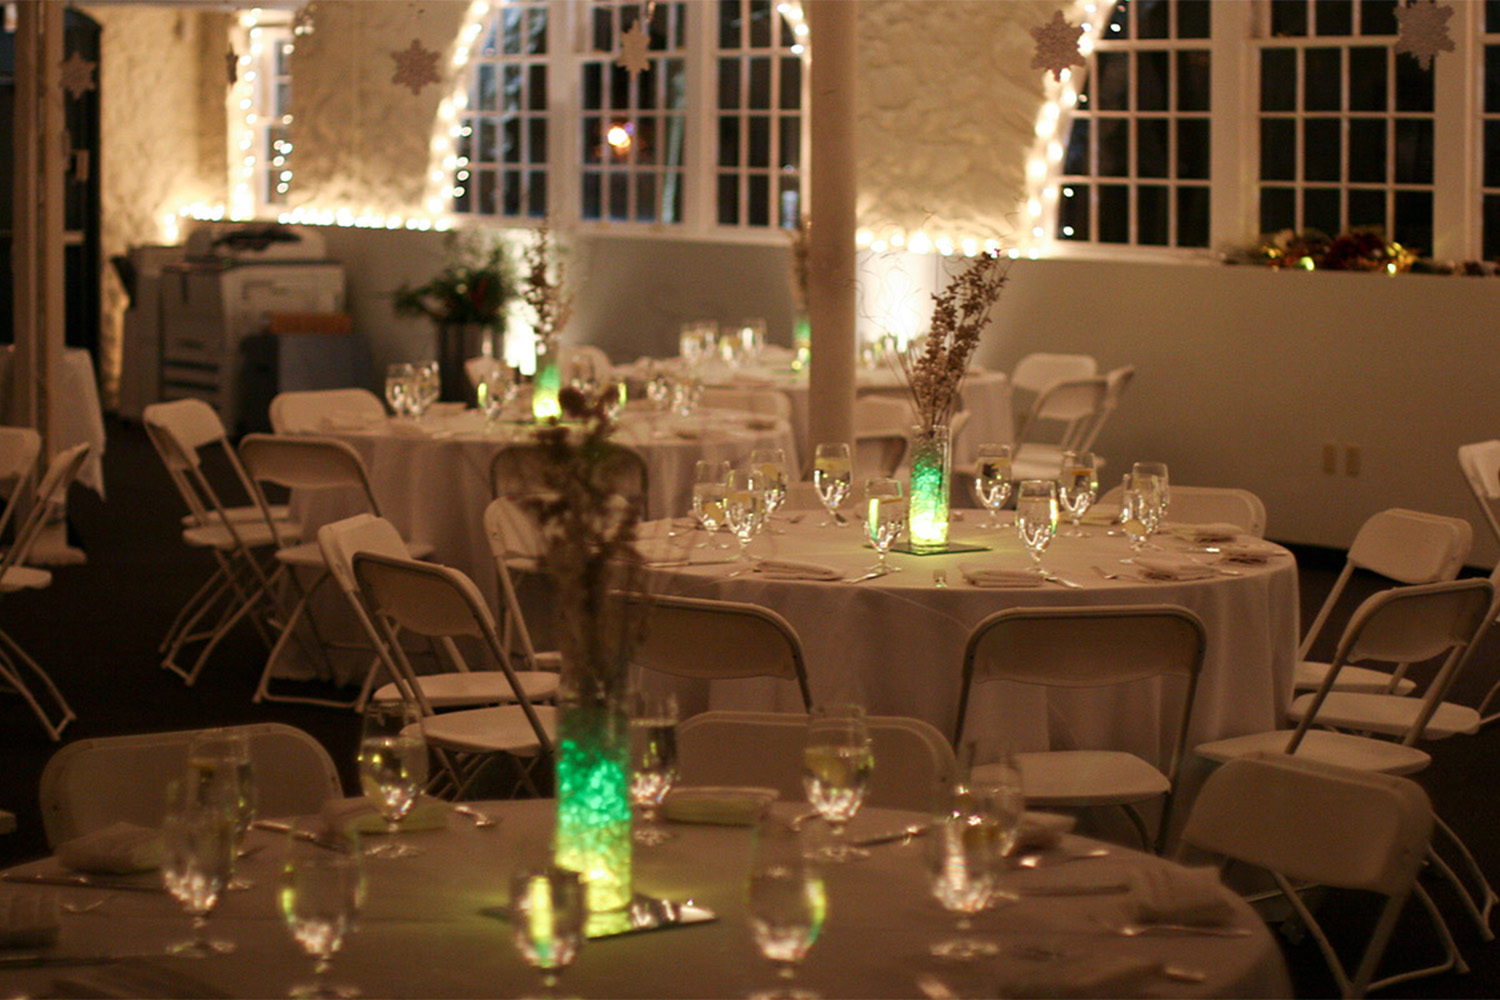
{"points": [[903, 834], [79, 880], [1054, 578]]}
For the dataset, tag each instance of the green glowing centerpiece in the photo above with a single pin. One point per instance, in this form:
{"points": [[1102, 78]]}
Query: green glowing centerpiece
{"points": [[542, 290], [931, 472], [545, 384], [593, 800]]}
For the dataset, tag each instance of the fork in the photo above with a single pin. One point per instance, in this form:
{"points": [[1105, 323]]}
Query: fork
{"points": [[481, 820], [940, 578]]}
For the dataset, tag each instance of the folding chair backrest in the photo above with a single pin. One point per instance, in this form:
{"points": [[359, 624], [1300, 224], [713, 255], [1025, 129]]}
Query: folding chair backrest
{"points": [[1117, 381], [306, 463], [1480, 462], [1412, 547], [50, 492], [515, 540], [341, 540], [719, 640], [1038, 372], [1211, 504], [20, 450], [308, 411], [765, 402], [423, 598], [1073, 404], [180, 429], [90, 784]]}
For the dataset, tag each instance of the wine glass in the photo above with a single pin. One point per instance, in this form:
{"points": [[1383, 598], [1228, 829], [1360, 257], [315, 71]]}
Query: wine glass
{"points": [[787, 905], [426, 383], [1077, 488], [322, 893], [498, 390], [744, 506], [771, 463], [966, 848], [653, 752], [992, 478], [218, 755], [660, 390], [708, 496], [685, 395], [392, 768], [1158, 471], [752, 338], [398, 389], [836, 764], [885, 517], [198, 838], [547, 915], [1141, 509], [833, 476], [1036, 516]]}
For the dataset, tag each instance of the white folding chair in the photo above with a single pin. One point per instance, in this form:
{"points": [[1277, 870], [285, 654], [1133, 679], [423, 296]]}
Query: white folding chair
{"points": [[762, 402], [514, 541], [405, 596], [90, 784], [1059, 421], [1084, 648], [912, 759], [1117, 381], [1211, 505], [457, 687], [1313, 823], [882, 431], [1480, 462], [314, 411], [1035, 373]]}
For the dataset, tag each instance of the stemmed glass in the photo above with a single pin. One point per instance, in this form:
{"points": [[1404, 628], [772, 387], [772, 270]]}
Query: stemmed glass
{"points": [[744, 506], [787, 906], [966, 850], [1158, 472], [833, 476], [653, 753], [660, 390], [1141, 509], [685, 394], [322, 893], [1077, 488], [992, 478], [1036, 516], [836, 764], [752, 338], [392, 769], [547, 916], [398, 389], [218, 756], [497, 391], [425, 383], [885, 517], [771, 463], [708, 496], [198, 835]]}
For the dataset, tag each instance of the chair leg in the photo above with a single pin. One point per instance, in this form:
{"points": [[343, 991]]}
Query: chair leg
{"points": [[11, 673], [302, 610], [1480, 900], [249, 602]]}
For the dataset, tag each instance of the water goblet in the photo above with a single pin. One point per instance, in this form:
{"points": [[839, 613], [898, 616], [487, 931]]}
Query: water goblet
{"points": [[771, 463], [836, 763], [685, 395], [1077, 488], [398, 389], [885, 517], [392, 769], [1142, 502], [966, 849], [220, 756], [426, 383], [744, 506], [1036, 516], [497, 390], [547, 915], [653, 752], [198, 837], [1157, 471], [833, 476], [787, 905], [708, 496], [752, 334], [992, 478], [322, 893]]}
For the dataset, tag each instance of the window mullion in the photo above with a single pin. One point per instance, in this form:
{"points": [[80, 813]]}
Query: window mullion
{"points": [[1457, 204]]}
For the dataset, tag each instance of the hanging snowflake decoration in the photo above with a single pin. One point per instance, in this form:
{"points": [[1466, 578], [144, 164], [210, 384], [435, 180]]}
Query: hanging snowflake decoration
{"points": [[635, 45], [416, 67], [1423, 30], [1057, 46], [77, 75]]}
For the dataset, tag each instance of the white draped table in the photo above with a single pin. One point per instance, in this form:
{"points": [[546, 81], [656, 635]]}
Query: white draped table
{"points": [[424, 932]]}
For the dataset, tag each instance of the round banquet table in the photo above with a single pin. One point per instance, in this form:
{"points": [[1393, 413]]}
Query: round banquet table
{"points": [[896, 643], [424, 931]]}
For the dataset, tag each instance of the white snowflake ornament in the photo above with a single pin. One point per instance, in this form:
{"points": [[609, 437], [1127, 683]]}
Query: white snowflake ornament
{"points": [[77, 75], [1057, 46], [635, 48], [416, 67], [1423, 30]]}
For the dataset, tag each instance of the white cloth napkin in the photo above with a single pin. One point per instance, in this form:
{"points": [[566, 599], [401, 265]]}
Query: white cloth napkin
{"points": [[350, 420], [1173, 894], [1041, 830], [28, 920], [118, 849], [788, 569], [1172, 568], [360, 815], [723, 805], [980, 575], [1250, 553], [1203, 534]]}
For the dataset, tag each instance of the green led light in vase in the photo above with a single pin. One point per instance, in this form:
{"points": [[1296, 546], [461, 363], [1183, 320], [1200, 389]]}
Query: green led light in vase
{"points": [[927, 510], [544, 387], [593, 802]]}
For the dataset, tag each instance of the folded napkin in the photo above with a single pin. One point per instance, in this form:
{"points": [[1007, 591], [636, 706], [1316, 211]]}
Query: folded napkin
{"points": [[28, 920], [1250, 553], [118, 849], [1203, 534], [718, 804], [360, 816], [1041, 830], [981, 575], [1091, 973], [1101, 513], [787, 569], [1173, 894], [1172, 568]]}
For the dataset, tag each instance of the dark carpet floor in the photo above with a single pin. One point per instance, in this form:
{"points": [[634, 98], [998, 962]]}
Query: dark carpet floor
{"points": [[97, 627]]}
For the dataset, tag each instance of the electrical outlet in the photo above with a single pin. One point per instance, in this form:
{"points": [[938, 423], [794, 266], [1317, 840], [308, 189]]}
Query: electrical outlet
{"points": [[1352, 459], [1330, 457]]}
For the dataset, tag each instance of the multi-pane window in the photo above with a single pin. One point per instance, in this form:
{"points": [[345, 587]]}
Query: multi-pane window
{"points": [[503, 146], [759, 116], [1346, 124], [1136, 165], [1490, 115], [264, 146]]}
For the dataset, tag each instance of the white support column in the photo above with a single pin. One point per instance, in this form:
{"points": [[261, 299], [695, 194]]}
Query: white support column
{"points": [[831, 264]]}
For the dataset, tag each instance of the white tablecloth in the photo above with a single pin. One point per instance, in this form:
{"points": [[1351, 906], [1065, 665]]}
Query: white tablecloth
{"points": [[80, 417], [423, 932]]}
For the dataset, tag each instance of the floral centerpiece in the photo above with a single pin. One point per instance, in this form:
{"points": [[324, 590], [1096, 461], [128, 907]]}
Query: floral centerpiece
{"points": [[466, 300], [934, 367], [1309, 250], [542, 289]]}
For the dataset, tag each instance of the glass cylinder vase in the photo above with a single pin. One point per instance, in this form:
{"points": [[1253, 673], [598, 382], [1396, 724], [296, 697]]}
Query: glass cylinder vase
{"points": [[546, 382], [592, 836], [931, 473]]}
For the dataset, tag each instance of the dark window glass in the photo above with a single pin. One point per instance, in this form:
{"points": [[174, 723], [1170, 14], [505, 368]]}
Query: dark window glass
{"points": [[510, 140], [463, 199], [619, 87], [1367, 89], [729, 24], [676, 84], [536, 140], [536, 195], [672, 208], [1113, 69], [1073, 213], [1119, 21], [511, 89], [729, 84], [1278, 210], [1192, 216], [1413, 151], [1114, 147], [1367, 156], [1366, 209], [1278, 149], [791, 144], [760, 84], [487, 202], [759, 200], [646, 87], [510, 30], [1192, 148], [761, 19], [593, 200], [593, 86], [486, 89], [1492, 153], [1193, 88], [1152, 225], [729, 141], [489, 149], [536, 31], [1414, 85], [1320, 210], [1288, 18], [1413, 227], [1278, 80], [510, 193], [619, 196], [1491, 226], [1192, 18], [760, 141], [1076, 160], [1114, 213], [729, 200], [1322, 149], [603, 30], [1323, 83], [1152, 80], [1152, 19], [1492, 16], [1151, 138], [646, 147], [593, 132], [1334, 17], [645, 197], [537, 89], [1377, 17], [791, 83], [1492, 78]]}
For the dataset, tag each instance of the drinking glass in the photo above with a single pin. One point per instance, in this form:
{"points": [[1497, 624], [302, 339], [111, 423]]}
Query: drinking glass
{"points": [[833, 476], [1077, 488], [685, 395], [392, 769], [836, 764], [220, 756], [398, 389], [752, 335], [653, 752], [966, 848], [1036, 516], [744, 506], [547, 916], [497, 391], [787, 905], [885, 516], [426, 383], [1141, 509], [708, 496], [1158, 471], [771, 463], [198, 837], [992, 478], [322, 893]]}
